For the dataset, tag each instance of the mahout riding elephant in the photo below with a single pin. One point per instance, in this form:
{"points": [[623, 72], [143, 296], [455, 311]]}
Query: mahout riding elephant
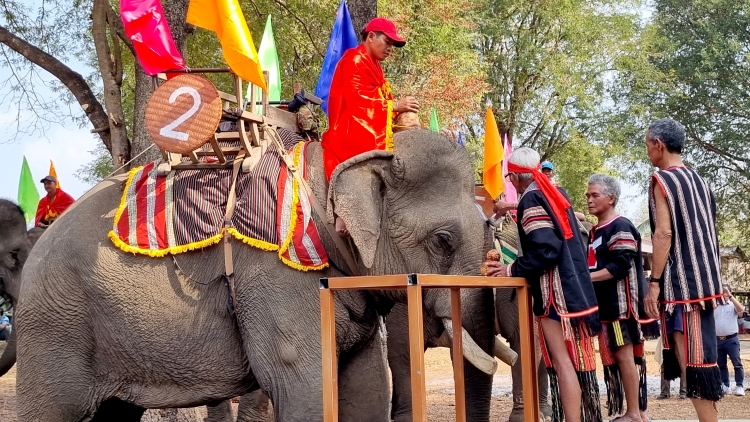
{"points": [[144, 332]]}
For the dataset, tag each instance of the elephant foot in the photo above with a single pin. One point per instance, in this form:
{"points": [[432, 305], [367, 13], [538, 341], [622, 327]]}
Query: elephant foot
{"points": [[545, 410]]}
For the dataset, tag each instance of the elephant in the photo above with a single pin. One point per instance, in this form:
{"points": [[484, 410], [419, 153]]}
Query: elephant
{"points": [[155, 332]]}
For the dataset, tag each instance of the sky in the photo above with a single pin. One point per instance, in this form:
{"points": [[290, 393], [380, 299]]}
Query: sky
{"points": [[67, 146]]}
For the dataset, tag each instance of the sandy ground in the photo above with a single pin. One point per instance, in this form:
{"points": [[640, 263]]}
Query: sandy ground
{"points": [[440, 398]]}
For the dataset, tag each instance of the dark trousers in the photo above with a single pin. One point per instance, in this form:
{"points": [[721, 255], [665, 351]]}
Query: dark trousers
{"points": [[730, 347], [4, 334], [665, 385]]}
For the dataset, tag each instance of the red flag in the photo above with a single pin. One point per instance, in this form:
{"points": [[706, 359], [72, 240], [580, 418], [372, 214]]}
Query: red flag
{"points": [[146, 25]]}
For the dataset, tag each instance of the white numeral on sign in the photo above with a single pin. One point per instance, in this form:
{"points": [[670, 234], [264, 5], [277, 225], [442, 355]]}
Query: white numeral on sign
{"points": [[168, 130]]}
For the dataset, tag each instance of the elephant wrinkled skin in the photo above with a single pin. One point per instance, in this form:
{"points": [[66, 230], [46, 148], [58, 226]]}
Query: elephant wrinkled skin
{"points": [[104, 334]]}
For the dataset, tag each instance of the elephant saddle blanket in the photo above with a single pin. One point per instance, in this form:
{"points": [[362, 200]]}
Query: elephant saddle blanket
{"points": [[184, 210]]}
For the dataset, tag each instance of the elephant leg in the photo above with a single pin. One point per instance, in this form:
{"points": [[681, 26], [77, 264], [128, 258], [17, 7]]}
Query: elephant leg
{"points": [[221, 412], [254, 407], [363, 382], [116, 410]]}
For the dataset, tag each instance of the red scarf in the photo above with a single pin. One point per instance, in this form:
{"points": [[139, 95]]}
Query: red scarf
{"points": [[556, 200]]}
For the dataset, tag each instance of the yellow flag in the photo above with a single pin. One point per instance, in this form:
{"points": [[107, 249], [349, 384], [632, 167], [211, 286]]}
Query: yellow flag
{"points": [[52, 172], [225, 18], [492, 177]]}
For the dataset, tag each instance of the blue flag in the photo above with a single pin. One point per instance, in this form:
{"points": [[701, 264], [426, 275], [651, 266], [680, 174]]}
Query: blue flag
{"points": [[343, 38], [461, 139]]}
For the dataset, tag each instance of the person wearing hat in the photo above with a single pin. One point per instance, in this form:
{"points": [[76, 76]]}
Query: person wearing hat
{"points": [[361, 106], [548, 170], [51, 206]]}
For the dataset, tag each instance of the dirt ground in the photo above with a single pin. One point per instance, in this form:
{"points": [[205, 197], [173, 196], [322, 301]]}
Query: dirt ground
{"points": [[440, 398]]}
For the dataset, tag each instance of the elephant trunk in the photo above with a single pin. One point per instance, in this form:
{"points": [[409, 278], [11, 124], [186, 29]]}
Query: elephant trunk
{"points": [[8, 359], [472, 352]]}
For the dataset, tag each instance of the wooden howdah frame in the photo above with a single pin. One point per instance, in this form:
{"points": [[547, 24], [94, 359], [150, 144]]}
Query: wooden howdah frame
{"points": [[250, 123], [414, 283]]}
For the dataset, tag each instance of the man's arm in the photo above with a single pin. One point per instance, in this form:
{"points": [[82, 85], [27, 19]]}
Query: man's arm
{"points": [[662, 239], [662, 242]]}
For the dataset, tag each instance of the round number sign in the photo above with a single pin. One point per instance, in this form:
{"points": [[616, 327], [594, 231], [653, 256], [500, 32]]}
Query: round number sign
{"points": [[183, 113]]}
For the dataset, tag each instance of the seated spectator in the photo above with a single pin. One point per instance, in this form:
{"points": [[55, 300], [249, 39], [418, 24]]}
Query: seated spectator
{"points": [[4, 326], [51, 206]]}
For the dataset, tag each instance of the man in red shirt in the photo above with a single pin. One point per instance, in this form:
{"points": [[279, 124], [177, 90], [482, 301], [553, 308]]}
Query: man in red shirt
{"points": [[361, 106], [51, 206]]}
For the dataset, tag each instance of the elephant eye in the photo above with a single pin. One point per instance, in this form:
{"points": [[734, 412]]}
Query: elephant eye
{"points": [[444, 242], [14, 258]]}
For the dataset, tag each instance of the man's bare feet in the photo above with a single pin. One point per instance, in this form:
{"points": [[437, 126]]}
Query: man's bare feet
{"points": [[628, 417], [341, 227], [644, 416]]}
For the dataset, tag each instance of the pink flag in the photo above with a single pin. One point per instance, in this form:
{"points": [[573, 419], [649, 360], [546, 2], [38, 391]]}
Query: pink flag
{"points": [[510, 192], [146, 25]]}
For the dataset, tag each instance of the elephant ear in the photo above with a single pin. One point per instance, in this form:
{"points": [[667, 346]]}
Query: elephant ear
{"points": [[355, 194]]}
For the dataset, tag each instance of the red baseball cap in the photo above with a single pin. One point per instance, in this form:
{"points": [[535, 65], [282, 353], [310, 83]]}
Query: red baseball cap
{"points": [[388, 28]]}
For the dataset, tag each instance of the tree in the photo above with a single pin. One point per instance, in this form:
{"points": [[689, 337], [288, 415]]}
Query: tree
{"points": [[694, 67], [548, 63], [362, 12]]}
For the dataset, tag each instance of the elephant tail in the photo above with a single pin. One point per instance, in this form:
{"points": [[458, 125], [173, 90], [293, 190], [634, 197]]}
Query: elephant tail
{"points": [[8, 359]]}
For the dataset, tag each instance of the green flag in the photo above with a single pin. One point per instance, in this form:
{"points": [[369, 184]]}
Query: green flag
{"points": [[28, 195], [269, 62], [434, 125]]}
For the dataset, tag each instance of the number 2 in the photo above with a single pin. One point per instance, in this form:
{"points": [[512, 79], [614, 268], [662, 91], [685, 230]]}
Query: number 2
{"points": [[168, 130]]}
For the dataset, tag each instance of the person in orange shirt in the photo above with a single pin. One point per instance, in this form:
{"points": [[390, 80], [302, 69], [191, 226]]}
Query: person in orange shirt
{"points": [[361, 106], [51, 206]]}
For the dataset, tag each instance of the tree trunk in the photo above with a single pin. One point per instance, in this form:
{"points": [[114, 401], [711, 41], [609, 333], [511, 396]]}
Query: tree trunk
{"points": [[110, 65], [362, 11], [176, 13], [172, 415]]}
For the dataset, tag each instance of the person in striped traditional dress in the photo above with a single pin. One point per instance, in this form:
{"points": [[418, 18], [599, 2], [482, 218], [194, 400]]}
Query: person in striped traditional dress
{"points": [[685, 278], [616, 266], [552, 257]]}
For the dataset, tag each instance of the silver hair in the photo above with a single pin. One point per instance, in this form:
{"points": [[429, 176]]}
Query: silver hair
{"points": [[524, 157], [610, 185]]}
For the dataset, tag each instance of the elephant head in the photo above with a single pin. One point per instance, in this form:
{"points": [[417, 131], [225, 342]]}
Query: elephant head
{"points": [[15, 245], [413, 211]]}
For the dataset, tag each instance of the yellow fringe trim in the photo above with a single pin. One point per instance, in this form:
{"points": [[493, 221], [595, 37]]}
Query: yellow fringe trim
{"points": [[256, 243], [160, 253], [301, 267], [389, 128], [124, 199]]}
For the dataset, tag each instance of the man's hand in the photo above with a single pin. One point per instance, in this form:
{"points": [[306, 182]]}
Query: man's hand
{"points": [[406, 104], [501, 207], [496, 269], [652, 300]]}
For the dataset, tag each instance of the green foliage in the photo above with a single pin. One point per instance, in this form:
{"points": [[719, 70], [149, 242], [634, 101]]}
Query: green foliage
{"points": [[575, 162], [694, 66], [98, 169]]}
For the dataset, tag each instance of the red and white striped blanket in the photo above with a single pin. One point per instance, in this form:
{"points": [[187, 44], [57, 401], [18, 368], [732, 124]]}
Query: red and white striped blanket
{"points": [[184, 210]]}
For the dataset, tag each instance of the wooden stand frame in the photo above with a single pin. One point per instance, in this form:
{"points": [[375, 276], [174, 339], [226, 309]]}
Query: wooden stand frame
{"points": [[414, 283]]}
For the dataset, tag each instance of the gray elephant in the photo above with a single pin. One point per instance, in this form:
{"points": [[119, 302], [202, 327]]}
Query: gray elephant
{"points": [[149, 333]]}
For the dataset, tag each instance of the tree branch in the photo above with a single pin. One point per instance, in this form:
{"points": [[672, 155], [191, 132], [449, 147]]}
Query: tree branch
{"points": [[284, 6], [71, 79], [116, 24]]}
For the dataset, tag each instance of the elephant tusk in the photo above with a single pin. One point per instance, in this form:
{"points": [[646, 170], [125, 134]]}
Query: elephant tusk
{"points": [[472, 352], [503, 352]]}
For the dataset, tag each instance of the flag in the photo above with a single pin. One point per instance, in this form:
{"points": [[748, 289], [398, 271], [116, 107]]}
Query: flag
{"points": [[269, 62], [146, 25], [492, 176], [510, 191], [28, 195], [343, 38], [52, 172], [461, 139], [434, 125], [225, 18]]}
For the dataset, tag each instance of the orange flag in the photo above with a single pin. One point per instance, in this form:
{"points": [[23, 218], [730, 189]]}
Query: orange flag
{"points": [[52, 172], [492, 177], [225, 18]]}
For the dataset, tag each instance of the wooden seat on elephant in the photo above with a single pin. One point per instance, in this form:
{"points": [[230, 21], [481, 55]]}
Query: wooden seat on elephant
{"points": [[250, 116]]}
